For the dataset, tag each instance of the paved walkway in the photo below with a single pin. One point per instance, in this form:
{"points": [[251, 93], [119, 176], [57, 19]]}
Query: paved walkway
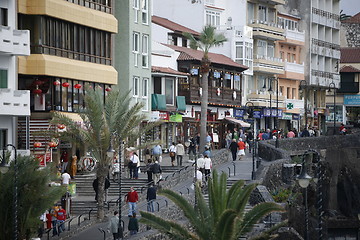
{"points": [[243, 170]]}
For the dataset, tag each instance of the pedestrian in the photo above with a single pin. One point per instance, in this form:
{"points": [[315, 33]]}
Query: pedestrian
{"points": [[95, 185], [208, 140], [64, 160], [241, 148], [201, 163], [61, 217], [192, 149], [65, 178], [304, 133], [197, 141], [233, 149], [156, 172], [115, 170], [290, 134], [180, 151], [228, 138], [73, 167], [114, 228], [266, 135], [199, 178], [149, 171], [150, 197], [172, 153], [133, 225], [54, 220], [132, 198], [157, 152], [208, 166], [235, 134], [207, 151], [134, 159], [250, 140]]}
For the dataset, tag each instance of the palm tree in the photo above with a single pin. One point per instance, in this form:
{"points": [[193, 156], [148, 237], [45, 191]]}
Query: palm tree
{"points": [[223, 217], [104, 122], [208, 38]]}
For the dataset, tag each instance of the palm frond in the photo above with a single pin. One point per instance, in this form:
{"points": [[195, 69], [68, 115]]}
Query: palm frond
{"points": [[225, 227]]}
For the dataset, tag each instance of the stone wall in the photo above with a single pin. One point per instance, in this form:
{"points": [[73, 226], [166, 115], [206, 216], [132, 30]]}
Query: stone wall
{"points": [[352, 34]]}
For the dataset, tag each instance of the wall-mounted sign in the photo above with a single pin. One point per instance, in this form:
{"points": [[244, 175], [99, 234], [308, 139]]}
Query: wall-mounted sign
{"points": [[227, 76], [194, 71], [257, 113], [164, 116], [236, 77], [295, 116], [216, 74], [266, 112], [352, 100], [238, 112], [176, 118]]}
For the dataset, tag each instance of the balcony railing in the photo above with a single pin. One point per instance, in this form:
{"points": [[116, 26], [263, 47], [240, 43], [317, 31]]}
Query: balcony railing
{"points": [[272, 59], [270, 24], [14, 42], [324, 78], [93, 5], [14, 102], [294, 67], [348, 87], [326, 18], [295, 35]]}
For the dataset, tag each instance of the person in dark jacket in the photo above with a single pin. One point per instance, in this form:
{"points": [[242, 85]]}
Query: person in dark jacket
{"points": [[149, 171], [133, 226], [96, 186], [150, 197], [156, 172], [233, 148]]}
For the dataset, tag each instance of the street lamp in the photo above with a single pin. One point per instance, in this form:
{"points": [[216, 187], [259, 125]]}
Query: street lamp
{"points": [[250, 115], [304, 180], [303, 86], [332, 86], [15, 193], [274, 79], [110, 153]]}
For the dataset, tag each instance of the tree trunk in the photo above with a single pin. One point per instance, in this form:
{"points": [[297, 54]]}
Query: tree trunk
{"points": [[101, 173], [204, 102]]}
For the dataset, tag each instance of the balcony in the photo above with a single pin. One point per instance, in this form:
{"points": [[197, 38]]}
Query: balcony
{"points": [[14, 42], [267, 64], [262, 99], [223, 98], [321, 78], [273, 2], [267, 30], [293, 71], [325, 18], [324, 48], [291, 35], [14, 102], [348, 87]]}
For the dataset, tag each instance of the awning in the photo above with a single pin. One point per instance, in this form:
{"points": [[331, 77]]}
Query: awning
{"points": [[158, 102], [180, 102], [236, 121]]}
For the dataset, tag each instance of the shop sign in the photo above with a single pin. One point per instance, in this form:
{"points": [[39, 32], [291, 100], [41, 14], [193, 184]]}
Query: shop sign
{"points": [[280, 113], [154, 116], [176, 118], [41, 158], [266, 112], [164, 116], [287, 116], [194, 71], [257, 113], [273, 112], [353, 100], [296, 117], [238, 112], [236, 78]]}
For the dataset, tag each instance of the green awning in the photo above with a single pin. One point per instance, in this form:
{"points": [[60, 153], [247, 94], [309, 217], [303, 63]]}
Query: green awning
{"points": [[158, 102], [180, 102]]}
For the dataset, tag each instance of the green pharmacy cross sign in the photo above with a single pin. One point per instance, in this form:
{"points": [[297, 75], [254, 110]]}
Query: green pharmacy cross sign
{"points": [[289, 106]]}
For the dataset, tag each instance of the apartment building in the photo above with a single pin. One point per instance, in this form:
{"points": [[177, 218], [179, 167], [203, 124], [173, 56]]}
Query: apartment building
{"points": [[71, 45], [14, 103], [321, 22], [133, 50]]}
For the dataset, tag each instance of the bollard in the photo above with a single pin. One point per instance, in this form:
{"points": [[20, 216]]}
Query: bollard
{"points": [[69, 223], [166, 202], [79, 219], [158, 206], [48, 233], [188, 190], [229, 170], [103, 232], [90, 212]]}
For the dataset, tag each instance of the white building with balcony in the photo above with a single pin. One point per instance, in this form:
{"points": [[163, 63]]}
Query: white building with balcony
{"points": [[322, 52], [13, 102]]}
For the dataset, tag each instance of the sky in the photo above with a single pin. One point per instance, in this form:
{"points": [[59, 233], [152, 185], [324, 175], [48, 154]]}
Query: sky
{"points": [[350, 7]]}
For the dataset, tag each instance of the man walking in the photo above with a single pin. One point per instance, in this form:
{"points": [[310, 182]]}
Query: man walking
{"points": [[132, 198], [180, 151], [150, 197], [113, 227], [156, 152], [61, 217], [156, 170]]}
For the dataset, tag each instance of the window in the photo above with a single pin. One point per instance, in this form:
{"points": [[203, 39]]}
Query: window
{"points": [[184, 42], [250, 12], [3, 79], [212, 18], [4, 17], [261, 51], [293, 58], [262, 14], [135, 86], [244, 55], [145, 51], [288, 93], [136, 10], [136, 43], [282, 55], [270, 50], [293, 93], [169, 90], [145, 12], [145, 93]]}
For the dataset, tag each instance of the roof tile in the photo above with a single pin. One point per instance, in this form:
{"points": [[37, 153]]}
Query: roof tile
{"points": [[353, 19], [350, 69], [167, 70], [350, 55], [166, 23]]}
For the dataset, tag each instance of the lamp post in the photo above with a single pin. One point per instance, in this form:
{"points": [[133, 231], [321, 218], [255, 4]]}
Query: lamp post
{"points": [[250, 115], [332, 86], [304, 180], [303, 86], [274, 79], [110, 153], [15, 193]]}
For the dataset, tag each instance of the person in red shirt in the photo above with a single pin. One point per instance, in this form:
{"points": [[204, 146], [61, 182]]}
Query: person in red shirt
{"points": [[241, 148], [61, 217], [132, 198]]}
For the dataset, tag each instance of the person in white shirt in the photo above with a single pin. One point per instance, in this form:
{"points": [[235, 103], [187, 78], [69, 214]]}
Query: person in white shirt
{"points": [[65, 178], [172, 152], [199, 177], [135, 166], [208, 166], [201, 163], [180, 152]]}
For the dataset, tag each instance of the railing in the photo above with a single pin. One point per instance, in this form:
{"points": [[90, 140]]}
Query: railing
{"points": [[93, 5], [295, 35], [13, 41], [273, 59], [270, 24], [294, 67], [14, 102]]}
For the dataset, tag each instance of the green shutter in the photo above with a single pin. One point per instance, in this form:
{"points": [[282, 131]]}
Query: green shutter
{"points": [[158, 102], [180, 102], [3, 79]]}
